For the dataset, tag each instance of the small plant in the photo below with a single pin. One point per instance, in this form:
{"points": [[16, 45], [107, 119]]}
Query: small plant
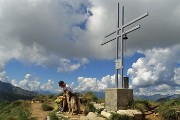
{"points": [[99, 110], [115, 116], [46, 107], [53, 116], [142, 105]]}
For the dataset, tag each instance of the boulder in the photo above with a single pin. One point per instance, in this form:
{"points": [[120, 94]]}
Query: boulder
{"points": [[105, 114], [91, 116], [135, 114]]}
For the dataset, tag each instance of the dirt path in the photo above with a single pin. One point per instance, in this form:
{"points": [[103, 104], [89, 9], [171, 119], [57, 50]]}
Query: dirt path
{"points": [[72, 117], [38, 112]]}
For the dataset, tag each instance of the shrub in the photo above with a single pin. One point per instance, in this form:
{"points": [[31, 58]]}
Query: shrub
{"points": [[91, 97], [167, 110], [46, 107], [53, 116], [142, 105], [89, 108], [115, 116], [51, 96], [169, 114]]}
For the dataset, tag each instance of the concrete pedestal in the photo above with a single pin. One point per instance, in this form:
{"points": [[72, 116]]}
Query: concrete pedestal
{"points": [[118, 99]]}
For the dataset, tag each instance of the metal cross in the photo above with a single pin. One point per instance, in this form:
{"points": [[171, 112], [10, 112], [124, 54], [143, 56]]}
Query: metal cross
{"points": [[122, 35]]}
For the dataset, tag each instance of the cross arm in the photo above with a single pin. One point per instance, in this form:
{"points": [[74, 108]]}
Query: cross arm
{"points": [[126, 32]]}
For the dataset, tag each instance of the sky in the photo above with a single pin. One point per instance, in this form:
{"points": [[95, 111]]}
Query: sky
{"points": [[45, 41]]}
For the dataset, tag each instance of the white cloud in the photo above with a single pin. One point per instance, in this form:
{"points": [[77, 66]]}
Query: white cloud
{"points": [[157, 71], [4, 77], [93, 84], [47, 86], [66, 65], [177, 75], [158, 89], [33, 83]]}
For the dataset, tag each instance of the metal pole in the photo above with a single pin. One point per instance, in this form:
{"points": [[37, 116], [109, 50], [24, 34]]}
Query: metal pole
{"points": [[122, 47], [117, 46]]}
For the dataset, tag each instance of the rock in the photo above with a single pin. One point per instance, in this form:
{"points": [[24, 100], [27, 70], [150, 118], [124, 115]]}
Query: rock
{"points": [[48, 118], [125, 112], [106, 114], [98, 106], [83, 118], [73, 119], [135, 114], [91, 116], [93, 103]]}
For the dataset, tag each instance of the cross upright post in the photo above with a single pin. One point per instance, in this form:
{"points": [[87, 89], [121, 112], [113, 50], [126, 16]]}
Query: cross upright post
{"points": [[122, 49], [117, 49]]}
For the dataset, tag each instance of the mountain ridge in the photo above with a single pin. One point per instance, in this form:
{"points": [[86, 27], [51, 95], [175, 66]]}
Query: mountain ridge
{"points": [[10, 93]]}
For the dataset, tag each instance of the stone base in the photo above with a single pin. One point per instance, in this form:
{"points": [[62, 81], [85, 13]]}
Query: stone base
{"points": [[118, 99]]}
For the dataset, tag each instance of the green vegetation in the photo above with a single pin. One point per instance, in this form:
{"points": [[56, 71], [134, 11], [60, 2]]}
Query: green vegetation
{"points": [[89, 108], [46, 107], [168, 109], [115, 116], [86, 100], [53, 116], [41, 98], [89, 97], [142, 105], [18, 110]]}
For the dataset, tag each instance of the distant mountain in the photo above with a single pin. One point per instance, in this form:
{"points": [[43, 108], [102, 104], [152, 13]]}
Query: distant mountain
{"points": [[155, 97], [99, 95], [175, 96], [158, 97], [45, 92], [10, 92]]}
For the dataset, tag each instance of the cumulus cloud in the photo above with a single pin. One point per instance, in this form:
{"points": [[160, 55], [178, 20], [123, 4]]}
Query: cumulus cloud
{"points": [[4, 77], [65, 65], [93, 84], [33, 83], [156, 71]]}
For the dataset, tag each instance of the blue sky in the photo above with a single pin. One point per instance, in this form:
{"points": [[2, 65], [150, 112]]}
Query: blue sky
{"points": [[45, 41], [95, 68]]}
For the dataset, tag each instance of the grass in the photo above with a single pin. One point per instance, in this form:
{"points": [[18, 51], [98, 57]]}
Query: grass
{"points": [[18, 110], [167, 109], [46, 107], [115, 116], [142, 105], [53, 116]]}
